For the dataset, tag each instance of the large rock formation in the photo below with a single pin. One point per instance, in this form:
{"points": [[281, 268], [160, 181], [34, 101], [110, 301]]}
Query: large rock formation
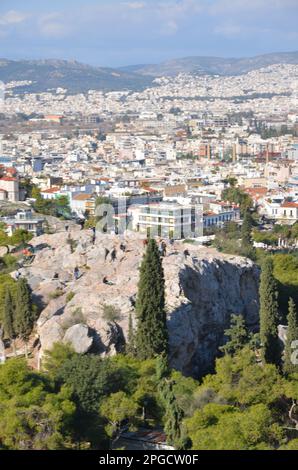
{"points": [[203, 291]]}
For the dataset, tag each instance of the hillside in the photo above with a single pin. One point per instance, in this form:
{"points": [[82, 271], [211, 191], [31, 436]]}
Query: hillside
{"points": [[76, 77], [214, 65], [79, 78], [202, 292]]}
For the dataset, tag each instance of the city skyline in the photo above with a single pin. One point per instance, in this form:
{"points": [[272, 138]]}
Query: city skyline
{"points": [[118, 33]]}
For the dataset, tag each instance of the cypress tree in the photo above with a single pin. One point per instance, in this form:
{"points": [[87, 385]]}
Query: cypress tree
{"points": [[25, 315], [269, 316], [173, 413], [8, 319], [247, 248], [292, 335], [238, 335], [130, 347], [152, 335]]}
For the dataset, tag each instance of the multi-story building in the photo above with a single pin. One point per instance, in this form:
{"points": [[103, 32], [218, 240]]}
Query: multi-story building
{"points": [[24, 220], [167, 220]]}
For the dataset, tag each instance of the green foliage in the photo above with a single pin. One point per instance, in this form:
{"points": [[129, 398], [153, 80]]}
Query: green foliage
{"points": [[25, 314], [241, 380], [8, 322], [130, 345], [269, 315], [56, 293], [292, 335], [32, 416], [286, 273], [70, 296], [247, 248], [53, 360], [237, 334], [19, 237], [88, 378], [58, 207], [6, 283], [238, 196], [111, 313], [224, 427], [152, 335], [115, 409]]}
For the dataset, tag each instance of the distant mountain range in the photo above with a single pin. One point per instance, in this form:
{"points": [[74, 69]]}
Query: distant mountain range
{"points": [[77, 77], [213, 65]]}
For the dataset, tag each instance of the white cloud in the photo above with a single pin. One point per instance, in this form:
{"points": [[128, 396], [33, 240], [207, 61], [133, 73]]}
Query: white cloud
{"points": [[13, 17], [135, 5], [53, 25], [169, 28]]}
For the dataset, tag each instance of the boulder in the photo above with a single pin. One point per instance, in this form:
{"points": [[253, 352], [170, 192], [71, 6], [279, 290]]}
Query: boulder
{"points": [[51, 332], [79, 337]]}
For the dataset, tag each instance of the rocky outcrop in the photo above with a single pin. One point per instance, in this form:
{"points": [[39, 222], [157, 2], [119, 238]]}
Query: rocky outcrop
{"points": [[202, 292], [78, 336]]}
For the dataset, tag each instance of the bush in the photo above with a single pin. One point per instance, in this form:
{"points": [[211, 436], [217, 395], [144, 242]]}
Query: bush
{"points": [[70, 296], [111, 313]]}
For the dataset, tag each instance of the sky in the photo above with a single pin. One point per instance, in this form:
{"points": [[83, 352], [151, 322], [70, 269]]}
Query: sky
{"points": [[118, 32]]}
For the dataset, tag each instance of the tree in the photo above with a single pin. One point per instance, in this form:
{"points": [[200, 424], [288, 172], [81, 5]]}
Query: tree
{"points": [[269, 315], [238, 335], [225, 427], [115, 409], [56, 357], [25, 314], [130, 346], [247, 248], [8, 318], [173, 414], [292, 335], [88, 377], [20, 237], [32, 415], [152, 335]]}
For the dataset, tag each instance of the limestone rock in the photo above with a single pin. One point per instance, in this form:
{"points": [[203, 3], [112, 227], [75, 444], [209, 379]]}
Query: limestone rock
{"points": [[51, 332], [79, 337], [202, 292]]}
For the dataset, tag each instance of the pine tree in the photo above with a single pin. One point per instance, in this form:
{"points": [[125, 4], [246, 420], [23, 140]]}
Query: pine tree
{"points": [[269, 316], [292, 335], [238, 335], [25, 315], [8, 318], [151, 335]]}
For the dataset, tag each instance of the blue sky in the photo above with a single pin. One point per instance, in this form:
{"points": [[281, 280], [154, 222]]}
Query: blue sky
{"points": [[120, 32]]}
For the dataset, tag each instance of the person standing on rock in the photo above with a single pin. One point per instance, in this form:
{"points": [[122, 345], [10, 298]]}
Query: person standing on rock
{"points": [[113, 254], [76, 273]]}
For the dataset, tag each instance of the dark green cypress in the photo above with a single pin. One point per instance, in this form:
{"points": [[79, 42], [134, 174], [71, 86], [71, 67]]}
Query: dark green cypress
{"points": [[246, 228], [237, 334], [247, 248], [25, 315], [8, 318], [130, 346], [292, 335], [152, 334], [269, 316]]}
